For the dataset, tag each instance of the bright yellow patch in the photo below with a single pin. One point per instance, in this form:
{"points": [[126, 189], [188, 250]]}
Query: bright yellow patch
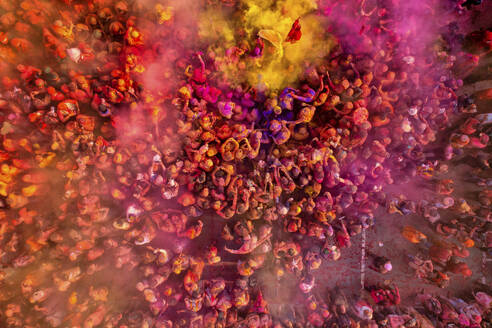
{"points": [[271, 20]]}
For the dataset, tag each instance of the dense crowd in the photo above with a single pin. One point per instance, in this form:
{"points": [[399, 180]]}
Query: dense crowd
{"points": [[124, 204]]}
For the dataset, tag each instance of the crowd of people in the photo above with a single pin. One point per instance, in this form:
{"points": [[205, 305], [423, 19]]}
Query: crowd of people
{"points": [[128, 204]]}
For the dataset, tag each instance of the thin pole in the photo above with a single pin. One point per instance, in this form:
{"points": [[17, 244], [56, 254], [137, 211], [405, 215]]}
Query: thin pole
{"points": [[363, 260]]}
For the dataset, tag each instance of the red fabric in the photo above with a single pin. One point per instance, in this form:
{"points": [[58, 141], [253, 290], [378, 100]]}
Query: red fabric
{"points": [[342, 240], [295, 32], [377, 295]]}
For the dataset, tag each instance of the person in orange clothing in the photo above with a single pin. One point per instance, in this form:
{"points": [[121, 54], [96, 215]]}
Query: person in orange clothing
{"points": [[412, 235], [439, 278], [440, 253]]}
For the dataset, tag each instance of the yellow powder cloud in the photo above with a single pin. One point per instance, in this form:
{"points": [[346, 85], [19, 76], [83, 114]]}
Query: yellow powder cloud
{"points": [[282, 62]]}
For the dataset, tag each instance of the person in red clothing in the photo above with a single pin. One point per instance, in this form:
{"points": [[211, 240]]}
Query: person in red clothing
{"points": [[342, 236], [440, 253], [385, 295], [393, 295], [458, 267]]}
